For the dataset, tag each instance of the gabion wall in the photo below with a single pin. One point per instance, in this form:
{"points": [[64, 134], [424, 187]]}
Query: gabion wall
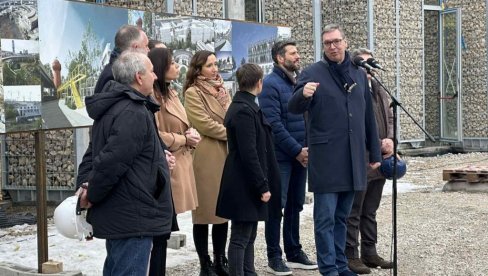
{"points": [[156, 6], [297, 15], [183, 7], [474, 64], [405, 83], [384, 40], [411, 75], [352, 16], [210, 8], [21, 163], [431, 63]]}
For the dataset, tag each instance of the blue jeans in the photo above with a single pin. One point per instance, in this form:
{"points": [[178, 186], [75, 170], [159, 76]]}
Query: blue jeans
{"points": [[293, 179], [330, 213], [128, 257]]}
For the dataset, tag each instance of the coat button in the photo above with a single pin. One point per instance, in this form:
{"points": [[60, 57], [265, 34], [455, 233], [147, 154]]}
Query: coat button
{"points": [[350, 114]]}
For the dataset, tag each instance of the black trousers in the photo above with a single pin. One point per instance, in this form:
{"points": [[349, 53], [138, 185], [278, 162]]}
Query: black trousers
{"points": [[241, 248], [157, 264], [362, 219]]}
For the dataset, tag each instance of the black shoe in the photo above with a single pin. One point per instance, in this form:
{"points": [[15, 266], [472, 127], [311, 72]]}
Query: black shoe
{"points": [[221, 265], [301, 261], [375, 261], [357, 266], [347, 272], [278, 267], [206, 267]]}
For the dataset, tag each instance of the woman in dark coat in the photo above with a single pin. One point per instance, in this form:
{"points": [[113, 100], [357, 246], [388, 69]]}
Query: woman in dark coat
{"points": [[250, 188]]}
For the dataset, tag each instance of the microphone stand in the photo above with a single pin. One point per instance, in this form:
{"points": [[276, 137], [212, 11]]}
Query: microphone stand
{"points": [[395, 104]]}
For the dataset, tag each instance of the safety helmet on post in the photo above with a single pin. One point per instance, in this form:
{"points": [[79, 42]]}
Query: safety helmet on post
{"points": [[70, 222], [386, 167]]}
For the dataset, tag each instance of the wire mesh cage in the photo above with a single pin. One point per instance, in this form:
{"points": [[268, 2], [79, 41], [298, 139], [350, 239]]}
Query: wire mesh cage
{"points": [[19, 165]]}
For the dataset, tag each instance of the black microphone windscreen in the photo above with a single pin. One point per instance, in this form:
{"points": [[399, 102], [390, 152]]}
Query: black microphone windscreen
{"points": [[374, 63], [359, 61]]}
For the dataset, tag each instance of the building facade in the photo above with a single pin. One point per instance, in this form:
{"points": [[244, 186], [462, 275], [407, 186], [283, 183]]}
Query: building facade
{"points": [[435, 52]]}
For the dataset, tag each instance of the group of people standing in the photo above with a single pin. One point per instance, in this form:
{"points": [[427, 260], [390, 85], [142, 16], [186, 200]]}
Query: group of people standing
{"points": [[243, 159]]}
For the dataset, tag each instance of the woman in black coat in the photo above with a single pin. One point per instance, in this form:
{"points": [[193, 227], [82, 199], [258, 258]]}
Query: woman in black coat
{"points": [[250, 188]]}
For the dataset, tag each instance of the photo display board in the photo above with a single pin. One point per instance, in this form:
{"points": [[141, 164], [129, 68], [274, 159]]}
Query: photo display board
{"points": [[52, 52]]}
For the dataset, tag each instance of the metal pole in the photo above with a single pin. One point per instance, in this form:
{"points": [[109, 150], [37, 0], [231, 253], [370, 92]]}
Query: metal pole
{"points": [[194, 7], [317, 25], [42, 250], [170, 6], [486, 47], [395, 134], [371, 25]]}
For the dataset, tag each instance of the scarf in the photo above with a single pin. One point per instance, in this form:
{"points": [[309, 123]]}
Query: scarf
{"points": [[342, 72], [291, 75], [214, 87]]}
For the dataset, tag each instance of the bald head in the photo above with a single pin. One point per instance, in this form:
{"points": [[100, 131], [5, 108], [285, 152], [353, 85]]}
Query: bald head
{"points": [[131, 37]]}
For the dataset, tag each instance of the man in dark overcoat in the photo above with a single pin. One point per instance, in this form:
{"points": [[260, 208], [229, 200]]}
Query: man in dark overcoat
{"points": [[341, 127]]}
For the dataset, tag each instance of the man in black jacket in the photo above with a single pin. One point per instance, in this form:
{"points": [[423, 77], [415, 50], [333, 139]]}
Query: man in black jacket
{"points": [[128, 188], [128, 37]]}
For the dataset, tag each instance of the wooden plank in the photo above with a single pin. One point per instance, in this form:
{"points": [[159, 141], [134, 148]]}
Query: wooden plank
{"points": [[470, 174]]}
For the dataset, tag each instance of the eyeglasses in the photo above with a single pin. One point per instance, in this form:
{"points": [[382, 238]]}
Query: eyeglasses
{"points": [[336, 42]]}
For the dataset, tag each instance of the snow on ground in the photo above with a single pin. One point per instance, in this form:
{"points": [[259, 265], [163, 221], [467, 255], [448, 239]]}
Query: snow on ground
{"points": [[18, 244]]}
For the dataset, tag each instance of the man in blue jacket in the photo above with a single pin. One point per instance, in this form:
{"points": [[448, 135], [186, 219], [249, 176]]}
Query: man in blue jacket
{"points": [[292, 155], [128, 189], [341, 127]]}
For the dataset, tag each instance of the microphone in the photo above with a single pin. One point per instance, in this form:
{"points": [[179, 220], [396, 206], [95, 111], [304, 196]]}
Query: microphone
{"points": [[375, 64], [359, 61]]}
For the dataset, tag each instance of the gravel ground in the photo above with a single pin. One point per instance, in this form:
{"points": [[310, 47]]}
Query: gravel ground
{"points": [[438, 233]]}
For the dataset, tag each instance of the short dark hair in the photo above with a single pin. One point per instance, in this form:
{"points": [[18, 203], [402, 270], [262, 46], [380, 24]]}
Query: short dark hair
{"points": [[153, 43], [332, 27], [279, 48], [248, 76]]}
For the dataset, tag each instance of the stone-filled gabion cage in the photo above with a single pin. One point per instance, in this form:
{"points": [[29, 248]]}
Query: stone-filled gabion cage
{"points": [[19, 168]]}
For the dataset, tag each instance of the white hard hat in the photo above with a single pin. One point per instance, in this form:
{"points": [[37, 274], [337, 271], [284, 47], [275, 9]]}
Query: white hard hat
{"points": [[69, 223]]}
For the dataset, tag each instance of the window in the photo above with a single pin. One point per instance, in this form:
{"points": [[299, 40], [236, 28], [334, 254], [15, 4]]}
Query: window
{"points": [[252, 10]]}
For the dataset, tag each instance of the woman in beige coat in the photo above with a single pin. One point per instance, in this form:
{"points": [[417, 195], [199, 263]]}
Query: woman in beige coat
{"points": [[206, 102], [176, 133]]}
